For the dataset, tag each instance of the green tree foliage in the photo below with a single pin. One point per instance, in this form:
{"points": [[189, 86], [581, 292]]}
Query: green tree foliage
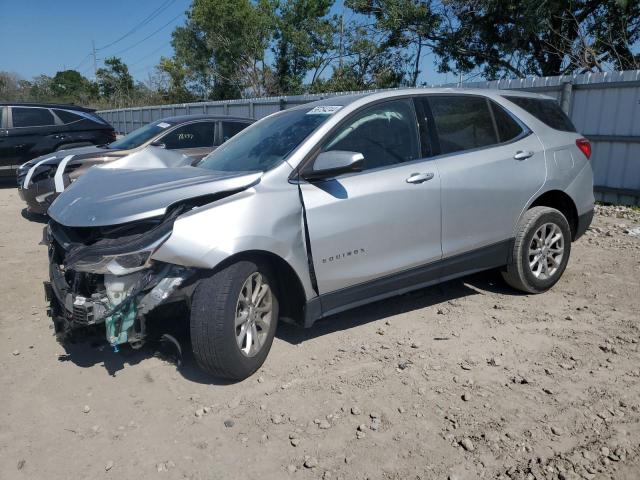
{"points": [[240, 48], [532, 37], [70, 86], [304, 37], [222, 44], [408, 28], [173, 82], [115, 82]]}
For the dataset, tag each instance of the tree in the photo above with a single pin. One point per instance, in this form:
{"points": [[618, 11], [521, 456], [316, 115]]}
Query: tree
{"points": [[530, 37], [407, 26], [304, 36], [365, 64], [172, 85], [71, 86], [222, 41], [115, 82]]}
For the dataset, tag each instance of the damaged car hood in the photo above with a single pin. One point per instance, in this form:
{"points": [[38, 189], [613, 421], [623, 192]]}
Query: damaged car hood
{"points": [[151, 157], [113, 196], [78, 153]]}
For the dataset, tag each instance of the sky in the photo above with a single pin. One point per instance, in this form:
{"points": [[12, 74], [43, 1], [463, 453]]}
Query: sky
{"points": [[45, 36]]}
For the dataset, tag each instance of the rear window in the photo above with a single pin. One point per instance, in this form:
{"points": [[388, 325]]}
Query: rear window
{"points": [[546, 110], [31, 117], [462, 122]]}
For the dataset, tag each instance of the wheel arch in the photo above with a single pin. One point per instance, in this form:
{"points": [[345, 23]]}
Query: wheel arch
{"points": [[562, 202], [292, 296]]}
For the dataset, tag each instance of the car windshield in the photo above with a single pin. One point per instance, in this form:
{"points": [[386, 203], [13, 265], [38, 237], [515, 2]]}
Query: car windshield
{"points": [[266, 143], [139, 136]]}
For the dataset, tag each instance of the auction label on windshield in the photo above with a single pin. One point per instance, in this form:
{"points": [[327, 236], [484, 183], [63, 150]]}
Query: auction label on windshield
{"points": [[324, 110]]}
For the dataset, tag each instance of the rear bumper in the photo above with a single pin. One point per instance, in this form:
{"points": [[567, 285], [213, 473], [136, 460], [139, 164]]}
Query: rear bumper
{"points": [[584, 221]]}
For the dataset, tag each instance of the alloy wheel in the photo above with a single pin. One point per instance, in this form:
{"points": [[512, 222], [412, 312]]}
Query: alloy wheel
{"points": [[253, 314], [546, 251]]}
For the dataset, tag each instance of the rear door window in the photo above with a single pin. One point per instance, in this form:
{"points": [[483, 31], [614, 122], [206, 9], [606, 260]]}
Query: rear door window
{"points": [[192, 135], [463, 122], [385, 134], [229, 129], [546, 110], [31, 117]]}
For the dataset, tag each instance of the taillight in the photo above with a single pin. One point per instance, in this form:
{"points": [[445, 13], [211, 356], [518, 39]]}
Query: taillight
{"points": [[584, 146]]}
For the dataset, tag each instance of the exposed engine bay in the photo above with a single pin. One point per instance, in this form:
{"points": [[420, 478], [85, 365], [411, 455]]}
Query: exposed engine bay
{"points": [[104, 275]]}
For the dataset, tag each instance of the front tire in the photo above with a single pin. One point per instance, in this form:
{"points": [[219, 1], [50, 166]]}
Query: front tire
{"points": [[540, 252], [234, 315]]}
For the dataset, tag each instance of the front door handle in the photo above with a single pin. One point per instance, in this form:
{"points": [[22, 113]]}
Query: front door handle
{"points": [[419, 177], [522, 155]]}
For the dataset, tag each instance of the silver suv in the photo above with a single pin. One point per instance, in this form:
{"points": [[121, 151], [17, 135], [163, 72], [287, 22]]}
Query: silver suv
{"points": [[318, 209]]}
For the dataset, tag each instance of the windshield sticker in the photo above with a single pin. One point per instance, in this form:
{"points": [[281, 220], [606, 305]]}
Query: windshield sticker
{"points": [[164, 125], [324, 110]]}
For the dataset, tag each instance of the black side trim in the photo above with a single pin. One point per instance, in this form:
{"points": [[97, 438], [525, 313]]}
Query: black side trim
{"points": [[584, 221], [484, 258], [307, 241]]}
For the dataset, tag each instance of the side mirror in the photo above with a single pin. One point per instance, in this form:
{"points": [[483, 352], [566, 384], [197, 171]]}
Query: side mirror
{"points": [[333, 163], [158, 143]]}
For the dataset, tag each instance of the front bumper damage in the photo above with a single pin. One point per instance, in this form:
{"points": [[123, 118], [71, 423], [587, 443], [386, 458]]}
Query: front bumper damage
{"points": [[119, 303]]}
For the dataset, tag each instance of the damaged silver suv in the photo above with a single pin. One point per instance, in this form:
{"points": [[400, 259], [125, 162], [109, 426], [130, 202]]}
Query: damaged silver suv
{"points": [[318, 209]]}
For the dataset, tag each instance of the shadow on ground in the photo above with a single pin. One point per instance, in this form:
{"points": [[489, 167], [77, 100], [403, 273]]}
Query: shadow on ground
{"points": [[86, 353]]}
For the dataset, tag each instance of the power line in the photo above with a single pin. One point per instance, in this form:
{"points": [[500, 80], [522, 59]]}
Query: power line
{"points": [[82, 61], [149, 54], [144, 22], [148, 36]]}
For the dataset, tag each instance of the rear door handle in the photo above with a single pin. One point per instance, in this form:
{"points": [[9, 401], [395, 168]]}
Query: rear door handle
{"points": [[419, 177], [522, 155]]}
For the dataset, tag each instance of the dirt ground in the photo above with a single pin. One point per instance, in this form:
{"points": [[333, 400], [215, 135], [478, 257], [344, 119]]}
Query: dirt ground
{"points": [[462, 381]]}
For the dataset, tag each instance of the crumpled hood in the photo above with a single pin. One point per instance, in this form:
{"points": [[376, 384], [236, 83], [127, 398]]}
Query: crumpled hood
{"points": [[151, 157], [104, 197]]}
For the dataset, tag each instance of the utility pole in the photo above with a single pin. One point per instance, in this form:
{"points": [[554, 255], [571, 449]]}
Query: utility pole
{"points": [[95, 61], [341, 35]]}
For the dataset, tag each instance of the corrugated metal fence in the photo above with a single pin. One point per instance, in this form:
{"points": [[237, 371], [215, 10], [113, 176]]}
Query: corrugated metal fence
{"points": [[605, 107]]}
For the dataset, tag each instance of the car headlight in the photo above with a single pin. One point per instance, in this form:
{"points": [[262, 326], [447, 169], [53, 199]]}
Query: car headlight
{"points": [[121, 264]]}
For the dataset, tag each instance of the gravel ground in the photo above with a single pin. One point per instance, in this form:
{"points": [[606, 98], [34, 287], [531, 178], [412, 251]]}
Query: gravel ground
{"points": [[462, 381]]}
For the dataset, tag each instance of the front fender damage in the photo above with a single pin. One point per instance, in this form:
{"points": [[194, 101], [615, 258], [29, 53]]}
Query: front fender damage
{"points": [[121, 303], [82, 293]]}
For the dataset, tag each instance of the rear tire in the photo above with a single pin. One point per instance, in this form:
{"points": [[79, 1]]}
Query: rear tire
{"points": [[234, 315], [540, 252]]}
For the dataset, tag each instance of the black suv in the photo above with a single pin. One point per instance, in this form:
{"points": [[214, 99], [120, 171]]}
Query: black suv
{"points": [[28, 130]]}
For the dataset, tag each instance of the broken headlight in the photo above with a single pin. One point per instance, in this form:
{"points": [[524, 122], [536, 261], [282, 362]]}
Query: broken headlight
{"points": [[119, 264]]}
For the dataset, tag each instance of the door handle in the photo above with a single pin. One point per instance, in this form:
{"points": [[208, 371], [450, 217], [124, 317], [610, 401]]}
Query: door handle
{"points": [[522, 155], [419, 177]]}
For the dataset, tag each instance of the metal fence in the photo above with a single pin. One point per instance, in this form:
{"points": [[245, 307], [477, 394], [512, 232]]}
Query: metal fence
{"points": [[605, 107]]}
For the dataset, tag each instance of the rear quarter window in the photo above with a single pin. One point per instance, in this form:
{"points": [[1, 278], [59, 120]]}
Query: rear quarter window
{"points": [[546, 110], [67, 116], [507, 127]]}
